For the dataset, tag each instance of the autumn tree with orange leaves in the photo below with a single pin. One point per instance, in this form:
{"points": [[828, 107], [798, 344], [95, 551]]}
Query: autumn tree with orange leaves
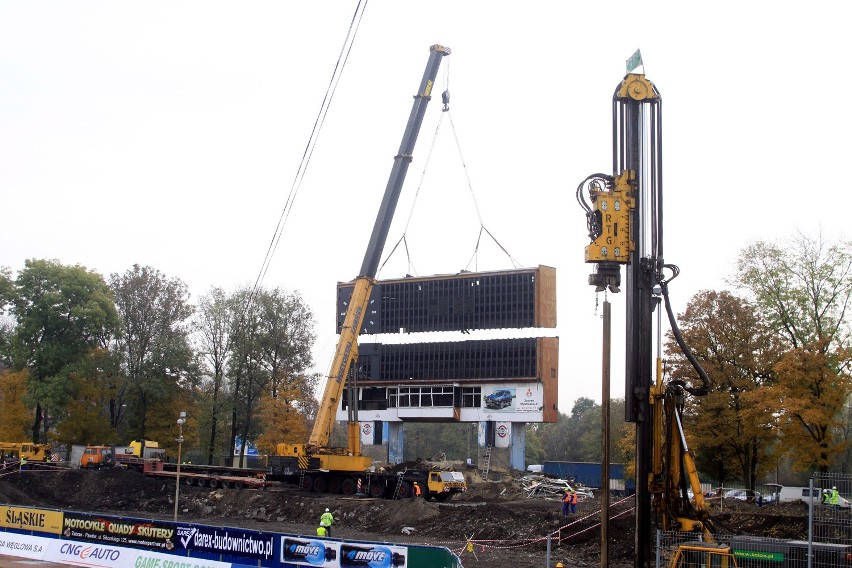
{"points": [[732, 428], [803, 288], [15, 416]]}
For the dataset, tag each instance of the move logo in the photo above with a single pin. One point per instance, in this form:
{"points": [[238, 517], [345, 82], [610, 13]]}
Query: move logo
{"points": [[367, 556], [84, 552]]}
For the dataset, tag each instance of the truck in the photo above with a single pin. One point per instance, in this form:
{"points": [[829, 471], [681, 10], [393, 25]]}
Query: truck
{"points": [[148, 458], [314, 465], [133, 455], [28, 450]]}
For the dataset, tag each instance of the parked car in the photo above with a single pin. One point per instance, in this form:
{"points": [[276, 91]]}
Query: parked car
{"points": [[499, 399], [740, 494]]}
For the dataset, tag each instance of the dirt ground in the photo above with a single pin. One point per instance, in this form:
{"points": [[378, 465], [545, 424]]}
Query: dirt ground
{"points": [[503, 525]]}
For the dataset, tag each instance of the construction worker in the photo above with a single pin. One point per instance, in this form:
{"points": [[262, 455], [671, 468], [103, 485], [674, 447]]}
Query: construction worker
{"points": [[825, 497], [573, 502], [835, 498], [23, 463], [417, 491], [326, 520], [566, 502], [322, 531]]}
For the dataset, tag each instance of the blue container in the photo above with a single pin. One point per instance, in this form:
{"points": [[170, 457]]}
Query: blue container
{"points": [[586, 473]]}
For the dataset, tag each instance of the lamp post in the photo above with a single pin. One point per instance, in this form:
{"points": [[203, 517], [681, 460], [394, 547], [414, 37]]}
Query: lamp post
{"points": [[180, 422]]}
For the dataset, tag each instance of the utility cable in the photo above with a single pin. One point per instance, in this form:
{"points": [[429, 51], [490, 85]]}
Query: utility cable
{"points": [[340, 65], [446, 110]]}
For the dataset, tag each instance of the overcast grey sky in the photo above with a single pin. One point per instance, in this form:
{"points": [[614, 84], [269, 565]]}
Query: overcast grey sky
{"points": [[169, 134]]}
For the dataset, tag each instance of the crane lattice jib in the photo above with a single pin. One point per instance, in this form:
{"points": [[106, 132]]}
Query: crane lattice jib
{"points": [[347, 345]]}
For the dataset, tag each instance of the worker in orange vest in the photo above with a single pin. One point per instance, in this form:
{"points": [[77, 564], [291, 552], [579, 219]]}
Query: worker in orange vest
{"points": [[566, 502], [573, 502], [417, 491]]}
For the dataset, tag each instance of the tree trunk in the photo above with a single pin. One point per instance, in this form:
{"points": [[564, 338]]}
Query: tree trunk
{"points": [[37, 423], [214, 420], [45, 424]]}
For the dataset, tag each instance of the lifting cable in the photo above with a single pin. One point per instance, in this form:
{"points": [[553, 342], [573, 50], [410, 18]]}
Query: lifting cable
{"points": [[445, 97], [339, 66]]}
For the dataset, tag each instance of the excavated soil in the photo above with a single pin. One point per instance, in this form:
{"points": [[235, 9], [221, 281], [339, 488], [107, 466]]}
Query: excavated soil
{"points": [[504, 526]]}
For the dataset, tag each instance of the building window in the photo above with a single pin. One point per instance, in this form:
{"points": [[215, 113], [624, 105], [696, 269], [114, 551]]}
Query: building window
{"points": [[420, 397], [471, 397]]}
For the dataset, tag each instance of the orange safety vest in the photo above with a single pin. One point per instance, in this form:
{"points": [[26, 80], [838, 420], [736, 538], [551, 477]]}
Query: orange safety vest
{"points": [[567, 498], [573, 500], [417, 490]]}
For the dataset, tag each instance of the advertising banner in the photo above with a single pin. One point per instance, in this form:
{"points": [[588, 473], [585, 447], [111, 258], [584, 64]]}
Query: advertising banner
{"points": [[145, 559], [40, 520], [87, 554], [224, 540], [336, 554], [118, 531], [23, 545], [529, 399]]}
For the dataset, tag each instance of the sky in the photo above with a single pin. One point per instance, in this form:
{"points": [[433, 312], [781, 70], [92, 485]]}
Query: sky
{"points": [[170, 135]]}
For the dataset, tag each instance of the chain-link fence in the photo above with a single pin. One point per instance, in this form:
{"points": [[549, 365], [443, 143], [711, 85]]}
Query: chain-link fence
{"points": [[830, 529], [832, 515], [748, 552]]}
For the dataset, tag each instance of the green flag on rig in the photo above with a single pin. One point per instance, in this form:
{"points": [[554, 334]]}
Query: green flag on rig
{"points": [[634, 61]]}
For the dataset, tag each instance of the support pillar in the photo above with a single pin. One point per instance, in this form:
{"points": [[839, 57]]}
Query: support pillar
{"points": [[518, 446], [395, 443]]}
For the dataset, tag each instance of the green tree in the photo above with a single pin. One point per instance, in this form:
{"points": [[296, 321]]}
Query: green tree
{"points": [[214, 326], [7, 295], [270, 352], [733, 426], [62, 312], [803, 289], [153, 347], [87, 419]]}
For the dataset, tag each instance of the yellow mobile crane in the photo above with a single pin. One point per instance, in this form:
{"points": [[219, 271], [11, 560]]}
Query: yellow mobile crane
{"points": [[625, 223], [324, 468]]}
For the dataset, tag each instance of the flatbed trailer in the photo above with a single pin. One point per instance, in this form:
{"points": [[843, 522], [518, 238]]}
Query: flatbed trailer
{"points": [[437, 485], [214, 477], [219, 470]]}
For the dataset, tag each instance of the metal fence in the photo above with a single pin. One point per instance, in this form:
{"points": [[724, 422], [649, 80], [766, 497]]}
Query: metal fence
{"points": [[757, 552], [828, 543], [833, 522]]}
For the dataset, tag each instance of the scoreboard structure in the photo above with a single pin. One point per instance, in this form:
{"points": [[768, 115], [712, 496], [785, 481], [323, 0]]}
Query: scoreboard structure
{"points": [[508, 299], [496, 382]]}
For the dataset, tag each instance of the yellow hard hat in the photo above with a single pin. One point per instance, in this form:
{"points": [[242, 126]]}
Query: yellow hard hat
{"points": [[559, 565]]}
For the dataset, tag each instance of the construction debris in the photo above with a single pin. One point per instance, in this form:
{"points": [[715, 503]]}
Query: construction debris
{"points": [[541, 486]]}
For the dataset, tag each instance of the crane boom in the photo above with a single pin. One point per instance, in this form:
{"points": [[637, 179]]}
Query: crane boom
{"points": [[347, 345]]}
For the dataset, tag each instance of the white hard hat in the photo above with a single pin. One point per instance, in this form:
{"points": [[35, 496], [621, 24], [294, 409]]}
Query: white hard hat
{"points": [[834, 488], [326, 510]]}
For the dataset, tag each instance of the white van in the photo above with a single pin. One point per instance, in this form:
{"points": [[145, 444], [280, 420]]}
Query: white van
{"points": [[784, 494]]}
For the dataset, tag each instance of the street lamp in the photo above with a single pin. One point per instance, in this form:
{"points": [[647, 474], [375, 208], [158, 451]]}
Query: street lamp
{"points": [[180, 422]]}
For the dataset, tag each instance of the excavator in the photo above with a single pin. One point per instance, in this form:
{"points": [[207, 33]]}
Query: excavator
{"points": [[624, 218], [319, 466]]}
